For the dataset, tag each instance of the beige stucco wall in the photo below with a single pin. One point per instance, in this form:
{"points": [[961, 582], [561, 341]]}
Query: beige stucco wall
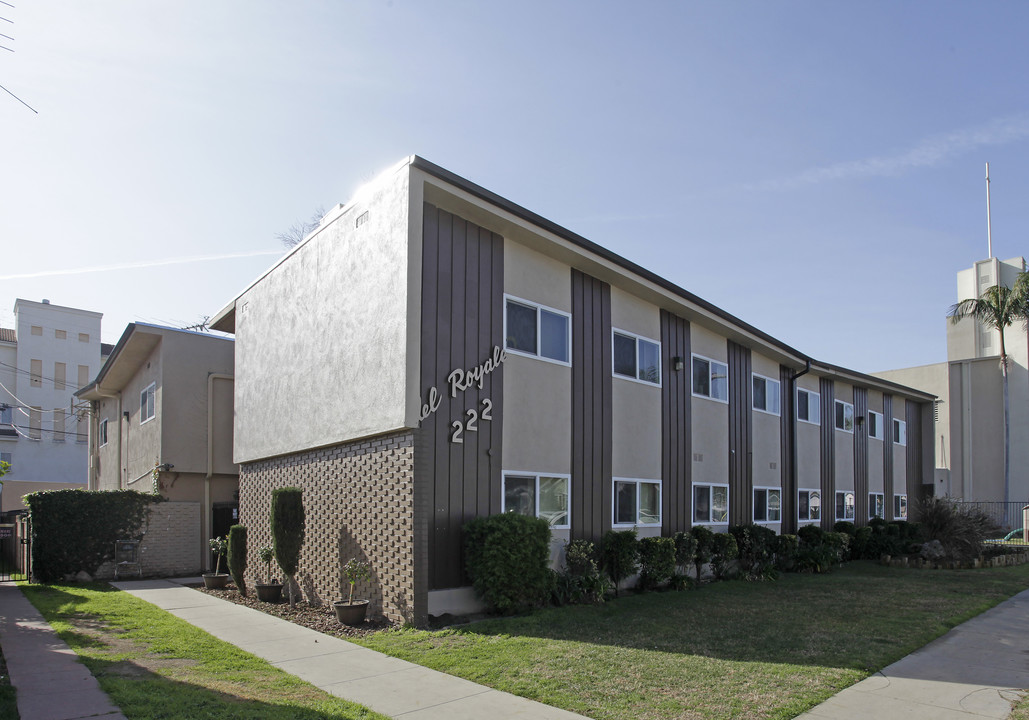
{"points": [[322, 338], [636, 406], [844, 461], [976, 417], [537, 393], [141, 443], [710, 421]]}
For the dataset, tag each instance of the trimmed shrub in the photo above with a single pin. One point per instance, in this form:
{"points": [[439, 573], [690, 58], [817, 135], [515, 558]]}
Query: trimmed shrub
{"points": [[581, 581], [238, 556], [657, 561], [845, 526], [685, 551], [756, 546], [508, 558], [620, 554], [723, 551], [705, 545], [810, 534], [786, 549], [839, 544], [961, 529], [287, 521], [862, 543], [75, 530]]}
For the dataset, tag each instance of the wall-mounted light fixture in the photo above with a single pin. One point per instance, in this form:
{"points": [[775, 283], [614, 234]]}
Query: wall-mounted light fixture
{"points": [[677, 363], [860, 419], [125, 414]]}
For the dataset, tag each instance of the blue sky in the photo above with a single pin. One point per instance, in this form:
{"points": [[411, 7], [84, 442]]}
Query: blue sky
{"points": [[815, 168]]}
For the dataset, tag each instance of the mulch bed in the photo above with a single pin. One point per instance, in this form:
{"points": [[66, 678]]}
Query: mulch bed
{"points": [[320, 618]]}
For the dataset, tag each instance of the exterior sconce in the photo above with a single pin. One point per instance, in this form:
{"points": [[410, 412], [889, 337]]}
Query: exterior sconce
{"points": [[860, 419], [677, 363]]}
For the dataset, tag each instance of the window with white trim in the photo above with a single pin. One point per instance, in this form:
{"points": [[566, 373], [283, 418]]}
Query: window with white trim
{"points": [[900, 507], [9, 459], [102, 432], [59, 431], [845, 505], [636, 357], [711, 504], [7, 418], [710, 379], [807, 406], [875, 425], [637, 502], [766, 394], [767, 505], [146, 403], [809, 505], [537, 331], [876, 505], [538, 495], [844, 416], [900, 432]]}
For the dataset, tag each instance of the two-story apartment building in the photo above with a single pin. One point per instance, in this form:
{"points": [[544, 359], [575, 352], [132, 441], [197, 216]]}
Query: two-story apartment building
{"points": [[434, 352], [161, 421], [51, 351]]}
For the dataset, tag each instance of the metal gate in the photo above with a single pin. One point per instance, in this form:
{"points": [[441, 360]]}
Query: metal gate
{"points": [[9, 547]]}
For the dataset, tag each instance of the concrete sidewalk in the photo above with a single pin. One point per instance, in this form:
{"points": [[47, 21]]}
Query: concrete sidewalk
{"points": [[387, 685], [50, 681], [977, 670]]}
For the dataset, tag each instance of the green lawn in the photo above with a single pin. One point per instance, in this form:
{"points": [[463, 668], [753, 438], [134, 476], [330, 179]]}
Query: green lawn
{"points": [[154, 665], [728, 650]]}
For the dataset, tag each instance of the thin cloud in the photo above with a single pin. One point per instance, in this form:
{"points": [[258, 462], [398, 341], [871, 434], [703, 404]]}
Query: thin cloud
{"points": [[137, 265], [932, 151]]}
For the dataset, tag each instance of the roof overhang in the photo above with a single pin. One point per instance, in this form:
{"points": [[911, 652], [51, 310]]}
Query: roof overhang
{"points": [[133, 348]]}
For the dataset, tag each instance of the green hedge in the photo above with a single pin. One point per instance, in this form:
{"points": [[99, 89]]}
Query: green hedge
{"points": [[75, 530], [508, 559], [657, 561]]}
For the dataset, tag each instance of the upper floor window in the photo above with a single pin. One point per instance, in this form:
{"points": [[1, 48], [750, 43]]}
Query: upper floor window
{"points": [[102, 433], [37, 330], [900, 432], [542, 496], [146, 403], [538, 331], [710, 379], [807, 406], [61, 334], [766, 394], [35, 373], [7, 421], [710, 504], [9, 459], [636, 357], [84, 337], [637, 502], [844, 416], [875, 425]]}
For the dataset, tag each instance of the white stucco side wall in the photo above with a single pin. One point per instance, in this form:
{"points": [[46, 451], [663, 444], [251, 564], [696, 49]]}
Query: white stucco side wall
{"points": [[322, 338]]}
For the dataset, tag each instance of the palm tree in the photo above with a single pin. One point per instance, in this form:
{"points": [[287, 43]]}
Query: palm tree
{"points": [[998, 308]]}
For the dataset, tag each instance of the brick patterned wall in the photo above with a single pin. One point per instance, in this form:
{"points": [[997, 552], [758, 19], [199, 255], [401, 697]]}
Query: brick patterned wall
{"points": [[170, 547], [358, 502]]}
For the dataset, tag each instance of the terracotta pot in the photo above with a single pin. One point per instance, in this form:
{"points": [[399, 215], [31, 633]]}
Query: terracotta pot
{"points": [[350, 614], [216, 581], [269, 593]]}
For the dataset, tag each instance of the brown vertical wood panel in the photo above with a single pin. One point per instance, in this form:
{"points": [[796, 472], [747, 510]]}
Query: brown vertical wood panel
{"points": [[676, 431], [888, 454], [861, 457], [461, 322], [827, 435], [741, 438], [913, 454], [787, 434], [591, 406]]}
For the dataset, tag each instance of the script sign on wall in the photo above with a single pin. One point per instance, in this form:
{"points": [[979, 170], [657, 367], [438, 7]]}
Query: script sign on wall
{"points": [[460, 380]]}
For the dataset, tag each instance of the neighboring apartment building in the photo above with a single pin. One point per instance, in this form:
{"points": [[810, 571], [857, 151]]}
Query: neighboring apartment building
{"points": [[970, 429], [434, 353], [161, 421], [51, 351]]}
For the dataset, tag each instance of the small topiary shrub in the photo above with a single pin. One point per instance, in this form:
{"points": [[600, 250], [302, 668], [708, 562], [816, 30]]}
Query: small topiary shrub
{"points": [[657, 561], [786, 549], [685, 551], [810, 534], [705, 545], [723, 551], [845, 526], [756, 545], [862, 542], [581, 581], [288, 527], [508, 558], [238, 557], [75, 530], [839, 544], [620, 554]]}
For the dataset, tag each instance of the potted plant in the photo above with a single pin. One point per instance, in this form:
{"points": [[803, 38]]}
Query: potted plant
{"points": [[271, 589], [217, 580], [349, 611]]}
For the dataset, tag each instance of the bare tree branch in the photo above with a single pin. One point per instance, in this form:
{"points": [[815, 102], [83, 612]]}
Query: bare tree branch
{"points": [[301, 229]]}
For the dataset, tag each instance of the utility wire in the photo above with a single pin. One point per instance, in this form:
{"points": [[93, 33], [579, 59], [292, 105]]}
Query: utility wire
{"points": [[18, 98]]}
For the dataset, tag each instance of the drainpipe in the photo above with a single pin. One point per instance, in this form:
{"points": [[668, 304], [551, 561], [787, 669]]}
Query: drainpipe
{"points": [[792, 523], [211, 377]]}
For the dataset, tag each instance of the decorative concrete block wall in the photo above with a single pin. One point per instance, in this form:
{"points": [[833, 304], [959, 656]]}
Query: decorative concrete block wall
{"points": [[358, 502], [170, 546]]}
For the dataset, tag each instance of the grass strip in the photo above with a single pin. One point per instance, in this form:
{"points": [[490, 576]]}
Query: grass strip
{"points": [[154, 665], [728, 650]]}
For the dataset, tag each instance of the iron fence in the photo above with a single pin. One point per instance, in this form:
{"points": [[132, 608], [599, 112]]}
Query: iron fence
{"points": [[1011, 519]]}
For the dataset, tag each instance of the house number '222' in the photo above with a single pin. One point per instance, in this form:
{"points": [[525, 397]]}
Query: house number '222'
{"points": [[472, 423]]}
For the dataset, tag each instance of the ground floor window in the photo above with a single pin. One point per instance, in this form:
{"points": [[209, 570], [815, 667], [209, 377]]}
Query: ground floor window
{"points": [[538, 495], [711, 504], [767, 505], [845, 505], [637, 502], [809, 505], [900, 507], [876, 505]]}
